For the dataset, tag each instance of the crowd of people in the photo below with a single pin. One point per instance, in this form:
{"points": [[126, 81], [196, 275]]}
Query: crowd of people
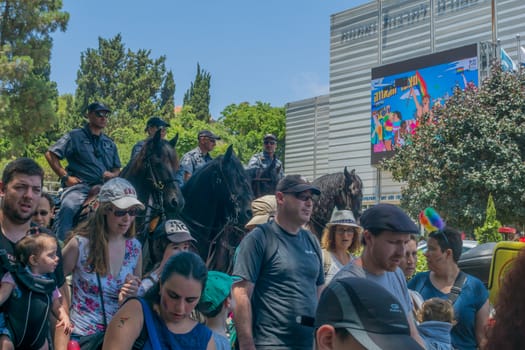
{"points": [[356, 288]]}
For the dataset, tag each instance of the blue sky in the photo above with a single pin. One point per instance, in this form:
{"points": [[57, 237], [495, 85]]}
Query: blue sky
{"points": [[270, 51]]}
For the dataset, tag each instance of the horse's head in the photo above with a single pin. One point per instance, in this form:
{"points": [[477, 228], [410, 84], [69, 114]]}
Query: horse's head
{"points": [[353, 192], [236, 190], [154, 171], [264, 180]]}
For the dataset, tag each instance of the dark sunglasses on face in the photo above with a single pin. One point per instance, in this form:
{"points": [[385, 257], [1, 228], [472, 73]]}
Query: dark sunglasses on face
{"points": [[102, 114], [130, 212], [41, 213], [303, 196], [269, 142]]}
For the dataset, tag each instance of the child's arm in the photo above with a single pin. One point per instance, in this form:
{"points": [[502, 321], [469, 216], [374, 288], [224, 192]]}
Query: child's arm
{"points": [[62, 316], [6, 287]]}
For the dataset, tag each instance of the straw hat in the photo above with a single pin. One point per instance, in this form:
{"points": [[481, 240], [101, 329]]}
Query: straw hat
{"points": [[262, 209], [344, 218]]}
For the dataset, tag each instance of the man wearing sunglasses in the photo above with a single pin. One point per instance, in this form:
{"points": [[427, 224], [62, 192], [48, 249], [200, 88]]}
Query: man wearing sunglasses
{"points": [[197, 157], [265, 158], [152, 126], [280, 264], [92, 159]]}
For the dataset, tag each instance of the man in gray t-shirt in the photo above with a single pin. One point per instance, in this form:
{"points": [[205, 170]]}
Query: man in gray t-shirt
{"points": [[282, 274], [387, 229]]}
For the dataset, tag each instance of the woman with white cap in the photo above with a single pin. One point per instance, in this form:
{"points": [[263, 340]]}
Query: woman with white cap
{"points": [[340, 240], [104, 258]]}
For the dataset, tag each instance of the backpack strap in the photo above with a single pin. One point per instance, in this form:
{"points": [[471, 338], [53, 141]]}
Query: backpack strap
{"points": [[327, 261], [456, 288], [153, 337]]}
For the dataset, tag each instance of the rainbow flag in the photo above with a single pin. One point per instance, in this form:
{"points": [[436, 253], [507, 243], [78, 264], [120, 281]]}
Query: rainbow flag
{"points": [[422, 85]]}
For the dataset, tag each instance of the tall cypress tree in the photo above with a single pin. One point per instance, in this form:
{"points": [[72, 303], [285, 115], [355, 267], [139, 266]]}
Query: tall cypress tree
{"points": [[198, 95]]}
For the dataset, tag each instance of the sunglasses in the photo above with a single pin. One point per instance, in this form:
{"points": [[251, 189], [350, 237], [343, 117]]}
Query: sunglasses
{"points": [[130, 212], [270, 142], [41, 213], [102, 114], [302, 196]]}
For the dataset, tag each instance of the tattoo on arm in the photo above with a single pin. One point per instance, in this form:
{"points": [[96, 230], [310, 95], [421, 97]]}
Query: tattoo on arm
{"points": [[122, 321]]}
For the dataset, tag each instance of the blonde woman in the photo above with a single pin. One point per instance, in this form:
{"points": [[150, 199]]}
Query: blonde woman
{"points": [[340, 240]]}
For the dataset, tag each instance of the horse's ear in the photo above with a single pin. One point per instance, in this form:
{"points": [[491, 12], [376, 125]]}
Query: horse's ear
{"points": [[156, 137], [228, 154], [173, 141], [346, 172]]}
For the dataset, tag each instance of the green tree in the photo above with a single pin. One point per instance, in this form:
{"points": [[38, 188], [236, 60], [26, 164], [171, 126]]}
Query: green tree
{"points": [[489, 231], [198, 95], [27, 95], [134, 85], [476, 147], [249, 123]]}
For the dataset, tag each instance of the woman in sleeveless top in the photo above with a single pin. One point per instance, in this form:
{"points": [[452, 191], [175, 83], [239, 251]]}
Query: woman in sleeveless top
{"points": [[170, 302], [104, 258]]}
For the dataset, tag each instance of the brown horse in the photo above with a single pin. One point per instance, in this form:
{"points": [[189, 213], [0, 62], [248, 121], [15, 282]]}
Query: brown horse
{"points": [[342, 190], [264, 180]]}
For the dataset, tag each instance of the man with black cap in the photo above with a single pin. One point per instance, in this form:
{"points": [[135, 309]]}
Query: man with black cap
{"points": [[356, 313], [265, 158], [92, 159], [153, 124], [387, 230], [197, 157], [281, 273]]}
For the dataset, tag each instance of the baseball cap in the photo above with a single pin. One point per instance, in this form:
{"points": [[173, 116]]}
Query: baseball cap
{"points": [[295, 184], [218, 287], [97, 106], [174, 230], [120, 193], [156, 121], [388, 217], [208, 133], [344, 218], [269, 137], [262, 208], [372, 315]]}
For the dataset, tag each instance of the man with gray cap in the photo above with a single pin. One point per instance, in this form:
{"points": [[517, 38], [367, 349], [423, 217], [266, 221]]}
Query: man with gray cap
{"points": [[153, 124], [197, 157], [386, 231], [92, 159], [265, 158], [282, 273]]}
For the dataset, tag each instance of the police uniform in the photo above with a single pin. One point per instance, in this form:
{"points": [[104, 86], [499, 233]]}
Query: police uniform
{"points": [[192, 161], [263, 160], [88, 157]]}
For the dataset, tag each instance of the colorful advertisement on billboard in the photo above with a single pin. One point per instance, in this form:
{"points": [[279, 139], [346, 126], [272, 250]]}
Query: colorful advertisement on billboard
{"points": [[404, 94]]}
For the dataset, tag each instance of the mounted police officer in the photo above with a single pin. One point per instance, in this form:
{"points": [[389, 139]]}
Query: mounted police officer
{"points": [[153, 124], [197, 157], [92, 159], [263, 159]]}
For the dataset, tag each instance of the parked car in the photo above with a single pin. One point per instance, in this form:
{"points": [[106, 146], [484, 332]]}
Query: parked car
{"points": [[476, 261]]}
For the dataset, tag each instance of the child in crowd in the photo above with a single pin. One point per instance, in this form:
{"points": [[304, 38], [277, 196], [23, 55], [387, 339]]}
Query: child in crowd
{"points": [[171, 237], [28, 293], [436, 318], [216, 304]]}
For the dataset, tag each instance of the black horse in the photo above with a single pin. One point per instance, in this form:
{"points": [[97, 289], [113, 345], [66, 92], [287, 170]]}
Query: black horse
{"points": [[218, 198], [264, 180], [342, 190], [152, 173]]}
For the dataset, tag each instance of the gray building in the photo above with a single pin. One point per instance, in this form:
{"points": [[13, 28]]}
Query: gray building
{"points": [[326, 133]]}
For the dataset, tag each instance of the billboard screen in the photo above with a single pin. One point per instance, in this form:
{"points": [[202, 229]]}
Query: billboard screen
{"points": [[404, 93]]}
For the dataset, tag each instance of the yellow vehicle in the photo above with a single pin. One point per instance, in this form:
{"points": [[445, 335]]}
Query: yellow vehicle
{"points": [[504, 254]]}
